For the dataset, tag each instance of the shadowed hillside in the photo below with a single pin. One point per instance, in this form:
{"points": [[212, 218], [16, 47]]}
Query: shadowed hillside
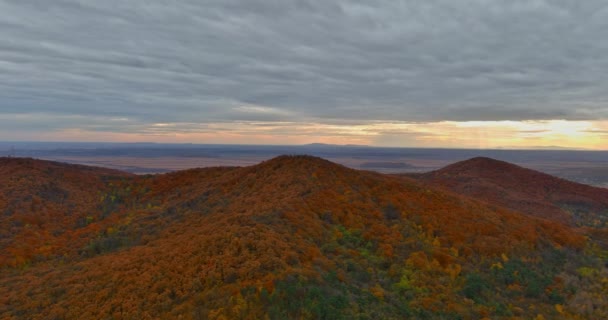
{"points": [[524, 190], [297, 237]]}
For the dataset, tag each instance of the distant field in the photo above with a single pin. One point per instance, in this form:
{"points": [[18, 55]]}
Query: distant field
{"points": [[146, 165], [589, 167]]}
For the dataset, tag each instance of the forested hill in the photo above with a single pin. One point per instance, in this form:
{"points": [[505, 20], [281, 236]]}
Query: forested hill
{"points": [[295, 237], [525, 190]]}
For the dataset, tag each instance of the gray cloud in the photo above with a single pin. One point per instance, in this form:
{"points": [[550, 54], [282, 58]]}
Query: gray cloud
{"points": [[322, 61]]}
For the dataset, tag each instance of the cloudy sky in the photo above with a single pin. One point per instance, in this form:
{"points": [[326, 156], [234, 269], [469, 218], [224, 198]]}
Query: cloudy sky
{"points": [[436, 73]]}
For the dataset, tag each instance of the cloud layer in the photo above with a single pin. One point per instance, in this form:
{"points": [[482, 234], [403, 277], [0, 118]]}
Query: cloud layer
{"points": [[89, 63]]}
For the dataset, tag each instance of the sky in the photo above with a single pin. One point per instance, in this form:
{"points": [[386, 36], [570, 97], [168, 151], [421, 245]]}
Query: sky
{"points": [[425, 73]]}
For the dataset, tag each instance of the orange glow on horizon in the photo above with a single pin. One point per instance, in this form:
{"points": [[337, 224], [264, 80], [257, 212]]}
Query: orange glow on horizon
{"points": [[444, 134]]}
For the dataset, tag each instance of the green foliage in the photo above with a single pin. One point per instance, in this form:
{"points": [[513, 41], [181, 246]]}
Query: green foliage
{"points": [[405, 283], [533, 277], [475, 287], [114, 198], [555, 297], [351, 239], [108, 241], [298, 298]]}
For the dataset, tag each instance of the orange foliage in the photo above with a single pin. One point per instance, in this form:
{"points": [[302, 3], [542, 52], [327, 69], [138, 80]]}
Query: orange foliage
{"points": [[200, 236], [523, 190]]}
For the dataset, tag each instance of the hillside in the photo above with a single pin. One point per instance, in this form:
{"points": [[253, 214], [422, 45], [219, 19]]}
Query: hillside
{"points": [[49, 209], [524, 190], [295, 237]]}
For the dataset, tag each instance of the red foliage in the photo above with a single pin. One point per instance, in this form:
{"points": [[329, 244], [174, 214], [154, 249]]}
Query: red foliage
{"points": [[50, 209], [204, 234], [523, 190]]}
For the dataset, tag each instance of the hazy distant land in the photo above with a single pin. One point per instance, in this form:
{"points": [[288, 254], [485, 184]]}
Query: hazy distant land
{"points": [[589, 167]]}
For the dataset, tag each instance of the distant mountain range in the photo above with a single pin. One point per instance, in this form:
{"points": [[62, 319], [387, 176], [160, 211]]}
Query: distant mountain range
{"points": [[299, 237], [317, 144]]}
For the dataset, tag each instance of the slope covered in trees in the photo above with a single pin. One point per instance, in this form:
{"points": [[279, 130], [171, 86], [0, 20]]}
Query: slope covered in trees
{"points": [[48, 209], [299, 237], [524, 190]]}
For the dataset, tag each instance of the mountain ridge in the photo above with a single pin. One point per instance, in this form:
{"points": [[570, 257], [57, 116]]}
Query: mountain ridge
{"points": [[291, 237]]}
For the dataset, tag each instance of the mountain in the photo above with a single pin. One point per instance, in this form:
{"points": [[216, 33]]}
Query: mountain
{"points": [[524, 190], [294, 237]]}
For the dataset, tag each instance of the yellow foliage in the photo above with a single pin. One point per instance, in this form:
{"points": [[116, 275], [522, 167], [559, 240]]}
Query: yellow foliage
{"points": [[454, 270], [586, 272], [436, 242], [454, 251], [497, 265], [504, 257]]}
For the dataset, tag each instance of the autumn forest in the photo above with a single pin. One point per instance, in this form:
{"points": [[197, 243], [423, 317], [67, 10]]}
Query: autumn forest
{"points": [[299, 237]]}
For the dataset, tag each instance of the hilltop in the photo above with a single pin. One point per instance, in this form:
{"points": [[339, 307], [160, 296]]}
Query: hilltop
{"points": [[524, 190], [292, 237]]}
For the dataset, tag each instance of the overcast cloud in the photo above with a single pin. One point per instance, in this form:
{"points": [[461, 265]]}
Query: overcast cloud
{"points": [[118, 65]]}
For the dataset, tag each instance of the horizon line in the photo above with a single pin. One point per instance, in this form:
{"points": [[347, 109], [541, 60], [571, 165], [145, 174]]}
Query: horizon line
{"points": [[320, 144]]}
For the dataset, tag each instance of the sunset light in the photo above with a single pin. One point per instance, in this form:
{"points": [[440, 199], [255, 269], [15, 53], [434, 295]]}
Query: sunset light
{"points": [[304, 159]]}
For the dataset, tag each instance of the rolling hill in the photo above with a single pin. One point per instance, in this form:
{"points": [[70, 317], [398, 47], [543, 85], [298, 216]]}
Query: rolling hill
{"points": [[524, 190], [295, 237]]}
